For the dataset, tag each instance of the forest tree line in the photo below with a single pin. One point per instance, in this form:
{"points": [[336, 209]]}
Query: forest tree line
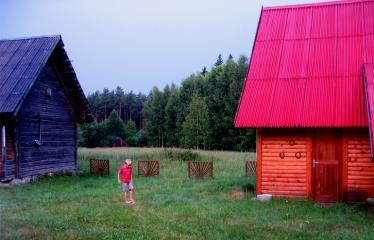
{"points": [[199, 113]]}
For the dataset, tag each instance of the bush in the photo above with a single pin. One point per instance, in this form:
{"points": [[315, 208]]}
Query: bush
{"points": [[173, 153], [249, 187], [189, 155]]}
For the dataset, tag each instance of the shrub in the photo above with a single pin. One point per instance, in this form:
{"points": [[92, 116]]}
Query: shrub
{"points": [[173, 154], [249, 187], [189, 155]]}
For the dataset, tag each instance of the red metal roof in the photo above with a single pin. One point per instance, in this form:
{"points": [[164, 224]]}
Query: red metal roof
{"points": [[306, 66], [369, 91]]}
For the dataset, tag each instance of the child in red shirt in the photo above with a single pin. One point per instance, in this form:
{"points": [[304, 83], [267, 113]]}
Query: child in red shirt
{"points": [[125, 171]]}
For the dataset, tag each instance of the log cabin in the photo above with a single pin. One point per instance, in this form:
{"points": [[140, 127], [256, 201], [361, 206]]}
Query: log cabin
{"points": [[41, 103], [309, 93]]}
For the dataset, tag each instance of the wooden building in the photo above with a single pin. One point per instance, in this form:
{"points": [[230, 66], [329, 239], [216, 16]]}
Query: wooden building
{"points": [[309, 92], [41, 103]]}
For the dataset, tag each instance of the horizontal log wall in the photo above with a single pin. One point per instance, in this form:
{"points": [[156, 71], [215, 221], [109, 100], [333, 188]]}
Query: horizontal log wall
{"points": [[360, 177], [284, 163], [54, 116], [9, 170]]}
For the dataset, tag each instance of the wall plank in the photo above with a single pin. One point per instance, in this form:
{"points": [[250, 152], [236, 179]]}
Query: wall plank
{"points": [[284, 177], [360, 167]]}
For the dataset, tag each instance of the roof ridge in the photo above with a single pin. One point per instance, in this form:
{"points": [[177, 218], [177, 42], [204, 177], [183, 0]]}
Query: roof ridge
{"points": [[29, 38], [328, 3]]}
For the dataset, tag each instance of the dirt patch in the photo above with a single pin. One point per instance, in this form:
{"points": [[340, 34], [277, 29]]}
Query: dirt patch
{"points": [[237, 195]]}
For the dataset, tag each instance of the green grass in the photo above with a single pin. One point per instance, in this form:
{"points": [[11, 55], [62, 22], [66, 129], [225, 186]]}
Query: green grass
{"points": [[170, 206]]}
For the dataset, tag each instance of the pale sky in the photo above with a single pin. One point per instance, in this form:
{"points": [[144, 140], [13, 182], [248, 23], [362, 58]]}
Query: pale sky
{"points": [[138, 44]]}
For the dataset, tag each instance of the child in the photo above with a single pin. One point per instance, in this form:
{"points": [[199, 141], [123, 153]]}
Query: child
{"points": [[126, 172]]}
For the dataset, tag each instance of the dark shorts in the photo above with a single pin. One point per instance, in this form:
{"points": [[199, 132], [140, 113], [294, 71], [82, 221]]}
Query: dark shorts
{"points": [[127, 186]]}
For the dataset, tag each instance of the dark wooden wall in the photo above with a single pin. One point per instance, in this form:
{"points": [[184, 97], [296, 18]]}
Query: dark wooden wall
{"points": [[53, 116]]}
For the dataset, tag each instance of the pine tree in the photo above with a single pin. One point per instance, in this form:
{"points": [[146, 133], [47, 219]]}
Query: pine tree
{"points": [[196, 127], [219, 61], [113, 128], [119, 99], [173, 118], [130, 133], [204, 71], [168, 113], [153, 112]]}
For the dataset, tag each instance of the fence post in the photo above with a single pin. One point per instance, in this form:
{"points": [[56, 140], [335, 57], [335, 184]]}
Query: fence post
{"points": [[189, 168]]}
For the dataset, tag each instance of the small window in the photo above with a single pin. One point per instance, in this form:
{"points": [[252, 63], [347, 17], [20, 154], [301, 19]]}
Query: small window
{"points": [[48, 92]]}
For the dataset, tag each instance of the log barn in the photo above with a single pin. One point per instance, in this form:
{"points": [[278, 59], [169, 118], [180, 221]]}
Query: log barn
{"points": [[309, 92], [41, 102]]}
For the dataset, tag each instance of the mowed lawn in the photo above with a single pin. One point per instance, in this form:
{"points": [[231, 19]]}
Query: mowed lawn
{"points": [[170, 206]]}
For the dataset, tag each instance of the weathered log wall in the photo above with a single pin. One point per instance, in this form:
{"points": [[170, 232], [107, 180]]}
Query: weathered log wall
{"points": [[50, 120]]}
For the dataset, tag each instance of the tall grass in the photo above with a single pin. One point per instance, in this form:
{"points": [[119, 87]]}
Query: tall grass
{"points": [[170, 206]]}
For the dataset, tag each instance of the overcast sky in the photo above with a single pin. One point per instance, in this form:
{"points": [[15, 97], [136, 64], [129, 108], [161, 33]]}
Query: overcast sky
{"points": [[138, 44]]}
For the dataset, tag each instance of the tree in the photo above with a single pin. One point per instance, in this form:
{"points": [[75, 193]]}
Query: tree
{"points": [[130, 132], [88, 135], [204, 71], [154, 112], [196, 127], [219, 61], [113, 129], [217, 91], [173, 118], [163, 113], [141, 138], [119, 99]]}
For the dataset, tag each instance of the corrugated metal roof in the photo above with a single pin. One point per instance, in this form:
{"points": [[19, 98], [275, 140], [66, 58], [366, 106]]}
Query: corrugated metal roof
{"points": [[369, 90], [306, 66], [22, 60]]}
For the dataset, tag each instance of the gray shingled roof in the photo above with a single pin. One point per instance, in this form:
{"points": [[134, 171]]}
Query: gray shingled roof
{"points": [[22, 60]]}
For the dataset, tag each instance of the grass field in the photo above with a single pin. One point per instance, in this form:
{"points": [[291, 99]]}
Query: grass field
{"points": [[170, 206]]}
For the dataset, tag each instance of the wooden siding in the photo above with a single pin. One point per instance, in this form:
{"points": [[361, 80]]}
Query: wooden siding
{"points": [[287, 176], [52, 118], [292, 177], [360, 167]]}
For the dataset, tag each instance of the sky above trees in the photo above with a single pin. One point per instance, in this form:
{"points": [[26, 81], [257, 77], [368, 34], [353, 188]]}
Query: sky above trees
{"points": [[139, 44]]}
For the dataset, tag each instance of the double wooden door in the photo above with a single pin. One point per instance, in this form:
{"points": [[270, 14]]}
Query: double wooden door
{"points": [[326, 165]]}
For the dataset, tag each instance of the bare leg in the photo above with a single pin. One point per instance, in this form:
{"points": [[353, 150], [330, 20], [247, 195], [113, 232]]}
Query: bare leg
{"points": [[132, 191], [126, 197]]}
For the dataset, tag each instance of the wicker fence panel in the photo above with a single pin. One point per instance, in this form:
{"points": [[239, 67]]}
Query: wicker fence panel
{"points": [[99, 166], [148, 168], [250, 168], [200, 169]]}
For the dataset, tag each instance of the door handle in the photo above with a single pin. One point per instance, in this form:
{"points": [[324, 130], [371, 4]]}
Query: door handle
{"points": [[314, 163]]}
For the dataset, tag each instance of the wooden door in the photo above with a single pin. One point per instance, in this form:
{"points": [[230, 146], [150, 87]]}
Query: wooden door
{"points": [[326, 164]]}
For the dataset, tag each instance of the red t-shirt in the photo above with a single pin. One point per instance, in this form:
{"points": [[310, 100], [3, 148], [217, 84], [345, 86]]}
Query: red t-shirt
{"points": [[126, 173]]}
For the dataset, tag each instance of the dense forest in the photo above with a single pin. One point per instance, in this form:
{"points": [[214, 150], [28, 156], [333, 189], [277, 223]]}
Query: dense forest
{"points": [[197, 114]]}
